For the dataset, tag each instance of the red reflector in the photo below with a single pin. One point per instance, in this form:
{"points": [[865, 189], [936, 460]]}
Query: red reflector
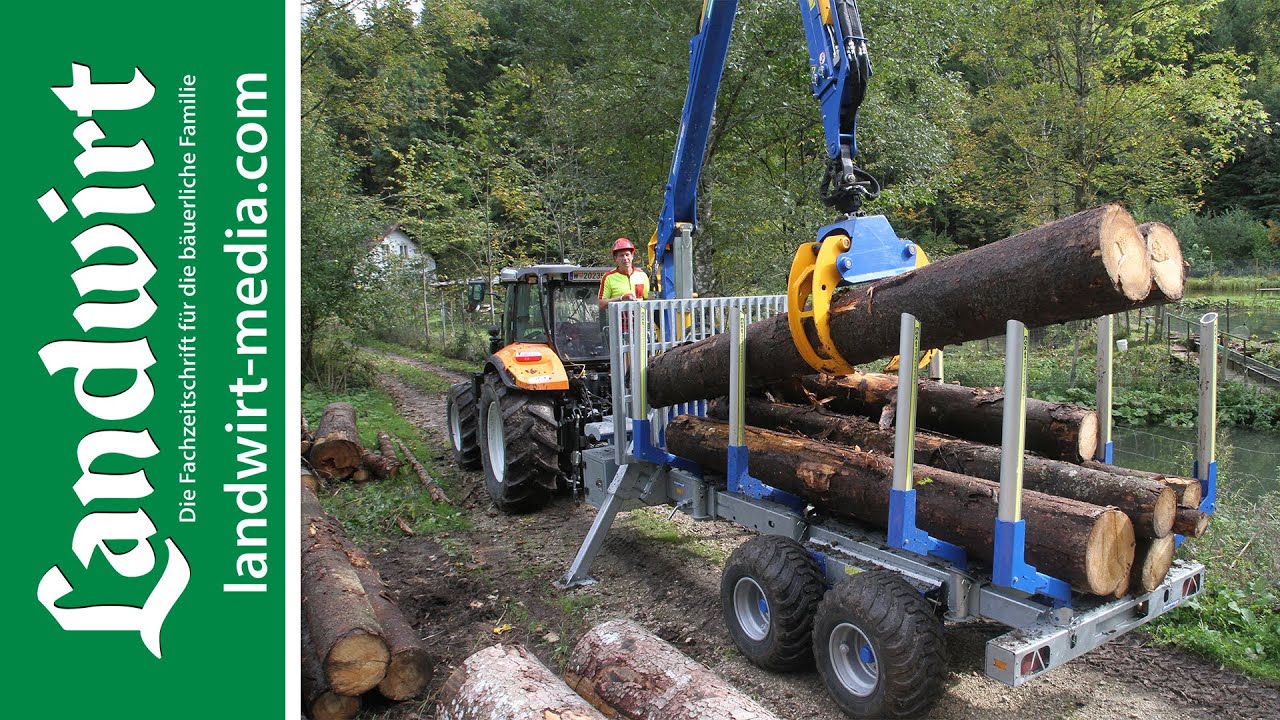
{"points": [[528, 356], [1034, 662]]}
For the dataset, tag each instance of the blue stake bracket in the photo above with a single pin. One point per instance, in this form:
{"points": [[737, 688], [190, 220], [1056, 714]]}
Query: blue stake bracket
{"points": [[904, 534], [1010, 569], [741, 481]]}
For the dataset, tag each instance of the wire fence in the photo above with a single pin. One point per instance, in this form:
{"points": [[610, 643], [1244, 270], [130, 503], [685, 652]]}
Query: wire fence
{"points": [[1242, 466]]}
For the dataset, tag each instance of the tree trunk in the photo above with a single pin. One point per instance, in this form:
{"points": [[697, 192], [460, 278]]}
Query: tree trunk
{"points": [[1190, 522], [319, 701], [1152, 559], [1083, 266], [388, 450], [1167, 268], [1054, 430], [348, 639], [1187, 489], [335, 451], [506, 682], [1149, 504], [437, 495], [627, 672], [380, 466], [1089, 547]]}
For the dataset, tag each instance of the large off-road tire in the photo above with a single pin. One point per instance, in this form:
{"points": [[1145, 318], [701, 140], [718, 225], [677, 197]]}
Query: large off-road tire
{"points": [[519, 446], [769, 591], [879, 647], [460, 409]]}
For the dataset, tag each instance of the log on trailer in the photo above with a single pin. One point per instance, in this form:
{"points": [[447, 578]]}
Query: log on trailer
{"points": [[1149, 504], [335, 450], [1054, 430], [506, 682], [1188, 490], [1084, 266], [628, 672], [1087, 546], [1152, 559], [319, 701], [344, 628], [1190, 522]]}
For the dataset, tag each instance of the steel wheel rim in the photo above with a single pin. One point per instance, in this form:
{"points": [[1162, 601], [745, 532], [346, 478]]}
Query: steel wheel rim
{"points": [[496, 442], [455, 426], [751, 608], [853, 659]]}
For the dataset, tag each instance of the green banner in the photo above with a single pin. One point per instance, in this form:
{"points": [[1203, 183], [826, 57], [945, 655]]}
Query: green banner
{"points": [[147, 208]]}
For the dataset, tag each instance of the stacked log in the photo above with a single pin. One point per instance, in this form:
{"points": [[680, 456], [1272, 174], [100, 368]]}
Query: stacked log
{"points": [[627, 672], [357, 638], [1055, 430], [1187, 490], [506, 682], [1084, 266], [1089, 547], [1150, 505], [336, 450], [1152, 559]]}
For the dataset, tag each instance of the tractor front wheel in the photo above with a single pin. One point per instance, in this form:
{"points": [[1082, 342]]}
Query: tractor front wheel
{"points": [[519, 446]]}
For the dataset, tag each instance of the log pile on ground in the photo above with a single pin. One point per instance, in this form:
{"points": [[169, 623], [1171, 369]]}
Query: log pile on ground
{"points": [[357, 638], [506, 682], [336, 453]]}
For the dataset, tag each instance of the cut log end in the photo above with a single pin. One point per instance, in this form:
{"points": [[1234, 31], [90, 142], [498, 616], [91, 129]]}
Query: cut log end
{"points": [[1124, 254], [331, 706], [1163, 513], [1190, 522], [406, 675], [1165, 252], [1087, 438], [1151, 564], [1109, 554], [357, 663]]}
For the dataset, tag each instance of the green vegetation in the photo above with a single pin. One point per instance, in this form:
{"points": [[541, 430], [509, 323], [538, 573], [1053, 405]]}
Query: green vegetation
{"points": [[653, 525], [371, 513]]}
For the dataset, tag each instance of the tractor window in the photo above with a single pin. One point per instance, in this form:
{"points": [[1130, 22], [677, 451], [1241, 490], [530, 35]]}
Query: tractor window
{"points": [[579, 334], [527, 321]]}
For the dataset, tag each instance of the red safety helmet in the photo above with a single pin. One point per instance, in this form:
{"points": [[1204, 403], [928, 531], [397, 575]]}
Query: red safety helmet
{"points": [[623, 244]]}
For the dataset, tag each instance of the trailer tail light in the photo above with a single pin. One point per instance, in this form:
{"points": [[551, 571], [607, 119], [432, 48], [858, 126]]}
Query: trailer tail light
{"points": [[528, 356], [1192, 585], [1034, 662]]}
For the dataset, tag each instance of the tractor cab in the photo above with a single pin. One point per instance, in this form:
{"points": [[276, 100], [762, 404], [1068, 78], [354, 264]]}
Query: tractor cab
{"points": [[554, 305]]}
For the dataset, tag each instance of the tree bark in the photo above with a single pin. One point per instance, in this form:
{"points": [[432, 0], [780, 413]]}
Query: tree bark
{"points": [[309, 480], [506, 682], [1152, 559], [1089, 547], [1149, 504], [335, 451], [1054, 430], [380, 466], [1187, 489], [319, 701], [388, 450], [408, 669], [1190, 522], [348, 639], [1083, 266], [437, 495], [1168, 270], [627, 672]]}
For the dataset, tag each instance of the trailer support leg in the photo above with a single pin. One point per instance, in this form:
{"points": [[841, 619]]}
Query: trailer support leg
{"points": [[628, 483]]}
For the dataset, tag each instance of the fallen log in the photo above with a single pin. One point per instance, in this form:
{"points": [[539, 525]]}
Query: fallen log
{"points": [[379, 466], [628, 672], [1087, 546], [335, 450], [437, 495], [1152, 559], [1054, 430], [506, 682], [388, 451], [1084, 266], [344, 628], [408, 669], [1149, 504], [1168, 271], [1190, 522], [319, 701], [309, 479], [1188, 490]]}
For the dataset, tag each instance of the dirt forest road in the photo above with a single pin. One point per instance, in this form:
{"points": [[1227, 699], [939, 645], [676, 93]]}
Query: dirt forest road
{"points": [[492, 584]]}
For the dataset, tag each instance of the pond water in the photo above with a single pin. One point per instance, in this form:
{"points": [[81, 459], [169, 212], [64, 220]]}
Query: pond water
{"points": [[1248, 460]]}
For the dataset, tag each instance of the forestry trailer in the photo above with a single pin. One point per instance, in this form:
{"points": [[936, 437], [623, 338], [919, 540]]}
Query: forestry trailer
{"points": [[841, 573]]}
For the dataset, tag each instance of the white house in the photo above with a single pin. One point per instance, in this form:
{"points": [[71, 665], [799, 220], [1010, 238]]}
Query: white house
{"points": [[396, 243]]}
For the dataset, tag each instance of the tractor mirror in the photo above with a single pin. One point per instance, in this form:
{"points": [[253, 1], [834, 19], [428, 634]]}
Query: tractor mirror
{"points": [[495, 342]]}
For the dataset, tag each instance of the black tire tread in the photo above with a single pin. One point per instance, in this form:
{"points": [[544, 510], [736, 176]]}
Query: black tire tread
{"points": [[911, 650], [463, 397], [533, 448], [793, 586]]}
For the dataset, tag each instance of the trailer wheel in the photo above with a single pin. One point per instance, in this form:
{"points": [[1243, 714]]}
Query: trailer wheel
{"points": [[519, 446], [879, 647], [460, 407], [768, 593]]}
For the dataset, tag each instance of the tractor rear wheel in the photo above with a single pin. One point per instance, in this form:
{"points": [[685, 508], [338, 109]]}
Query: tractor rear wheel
{"points": [[519, 446], [879, 647], [460, 407]]}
